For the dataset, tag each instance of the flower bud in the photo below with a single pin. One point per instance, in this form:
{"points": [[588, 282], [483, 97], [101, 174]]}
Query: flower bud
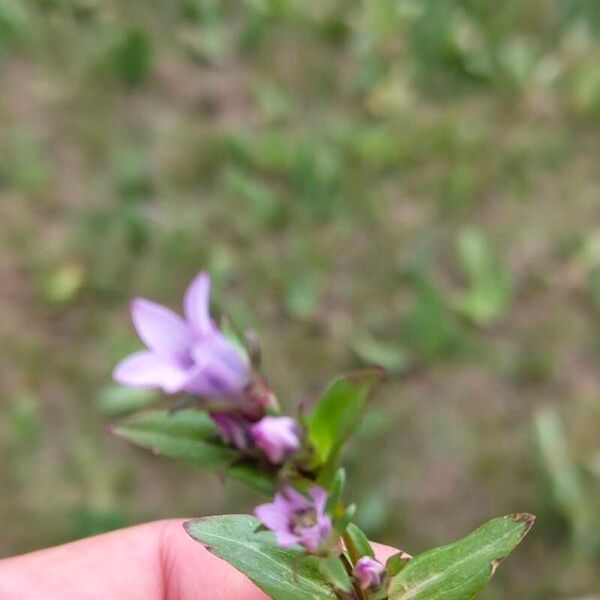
{"points": [[234, 429], [369, 573], [277, 437]]}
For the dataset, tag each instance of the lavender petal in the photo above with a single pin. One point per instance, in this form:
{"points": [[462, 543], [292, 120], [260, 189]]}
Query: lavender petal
{"points": [[196, 304], [162, 330], [146, 369]]}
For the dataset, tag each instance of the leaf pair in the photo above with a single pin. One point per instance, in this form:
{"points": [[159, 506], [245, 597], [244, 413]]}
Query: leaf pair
{"points": [[190, 435], [453, 572]]}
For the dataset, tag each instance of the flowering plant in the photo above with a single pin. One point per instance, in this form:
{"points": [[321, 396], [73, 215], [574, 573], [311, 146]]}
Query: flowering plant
{"points": [[303, 544]]}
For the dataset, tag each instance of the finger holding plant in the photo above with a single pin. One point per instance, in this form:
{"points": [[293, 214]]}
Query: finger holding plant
{"points": [[303, 543]]}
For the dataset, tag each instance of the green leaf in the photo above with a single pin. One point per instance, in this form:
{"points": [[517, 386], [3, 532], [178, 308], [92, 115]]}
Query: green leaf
{"points": [[373, 351], [396, 562], [488, 293], [282, 573], [360, 540], [131, 57], [336, 490], [118, 399], [251, 474], [568, 490], [191, 435], [14, 20], [428, 330], [461, 569], [337, 413], [333, 569], [188, 434], [302, 298], [342, 522], [593, 284]]}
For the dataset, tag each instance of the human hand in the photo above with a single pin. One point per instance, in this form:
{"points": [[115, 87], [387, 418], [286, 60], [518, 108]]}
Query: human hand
{"points": [[154, 561]]}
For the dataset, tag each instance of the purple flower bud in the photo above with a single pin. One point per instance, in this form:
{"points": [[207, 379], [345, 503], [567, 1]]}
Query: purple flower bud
{"points": [[234, 429], [296, 519], [189, 354], [369, 573], [277, 437]]}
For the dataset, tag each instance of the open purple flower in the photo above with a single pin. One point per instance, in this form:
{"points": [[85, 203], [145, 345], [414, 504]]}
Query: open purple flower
{"points": [[277, 437], [369, 573], [296, 519], [188, 354]]}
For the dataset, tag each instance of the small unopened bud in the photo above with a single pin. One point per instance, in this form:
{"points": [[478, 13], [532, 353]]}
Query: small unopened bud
{"points": [[369, 573], [234, 429], [277, 437]]}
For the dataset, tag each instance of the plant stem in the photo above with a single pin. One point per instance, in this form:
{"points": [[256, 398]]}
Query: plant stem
{"points": [[348, 565]]}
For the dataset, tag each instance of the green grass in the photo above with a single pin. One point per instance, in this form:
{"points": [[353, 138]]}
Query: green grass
{"points": [[394, 181]]}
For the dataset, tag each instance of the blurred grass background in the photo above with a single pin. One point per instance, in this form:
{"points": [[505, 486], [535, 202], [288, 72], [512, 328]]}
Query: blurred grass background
{"points": [[413, 183]]}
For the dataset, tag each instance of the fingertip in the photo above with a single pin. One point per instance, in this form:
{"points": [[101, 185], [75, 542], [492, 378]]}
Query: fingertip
{"points": [[383, 552], [190, 572]]}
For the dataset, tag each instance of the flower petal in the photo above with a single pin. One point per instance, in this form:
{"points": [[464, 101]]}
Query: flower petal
{"points": [[196, 304], [295, 499], [162, 330], [145, 369], [272, 516], [219, 368], [285, 539], [319, 495]]}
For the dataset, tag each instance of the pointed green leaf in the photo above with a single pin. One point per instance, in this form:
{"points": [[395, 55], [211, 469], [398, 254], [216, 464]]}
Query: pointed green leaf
{"points": [[342, 522], [118, 400], [333, 569], [360, 540], [428, 329], [373, 351], [251, 474], [396, 562], [189, 423], [459, 570], [191, 435], [571, 495], [488, 293], [283, 574], [338, 411], [337, 488], [188, 434]]}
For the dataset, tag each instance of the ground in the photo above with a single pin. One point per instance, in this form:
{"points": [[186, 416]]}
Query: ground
{"points": [[413, 184]]}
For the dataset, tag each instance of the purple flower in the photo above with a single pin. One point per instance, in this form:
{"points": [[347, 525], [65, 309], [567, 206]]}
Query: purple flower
{"points": [[296, 519], [234, 429], [188, 354], [277, 437], [369, 573]]}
